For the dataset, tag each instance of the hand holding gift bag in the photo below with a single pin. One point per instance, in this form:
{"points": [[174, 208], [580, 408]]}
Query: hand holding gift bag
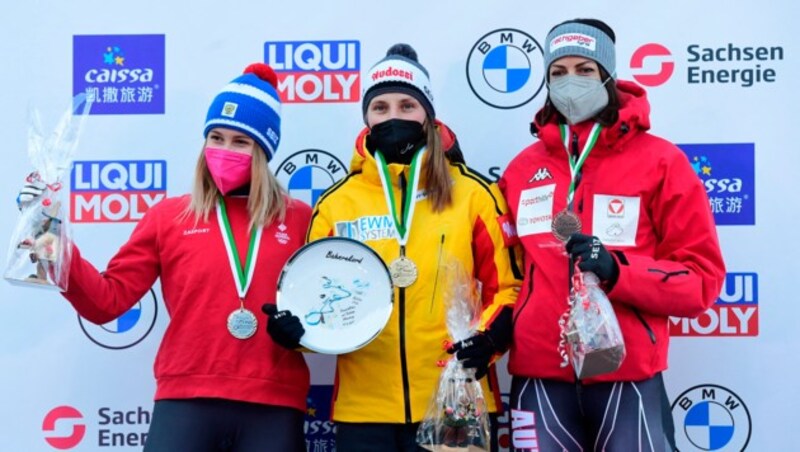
{"points": [[457, 418], [39, 252], [595, 342]]}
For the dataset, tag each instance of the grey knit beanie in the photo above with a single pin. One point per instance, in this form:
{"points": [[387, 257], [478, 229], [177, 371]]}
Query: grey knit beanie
{"points": [[589, 38]]}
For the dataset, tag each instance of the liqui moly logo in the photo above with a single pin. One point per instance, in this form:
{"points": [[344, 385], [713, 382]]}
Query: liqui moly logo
{"points": [[735, 312], [316, 71], [116, 191]]}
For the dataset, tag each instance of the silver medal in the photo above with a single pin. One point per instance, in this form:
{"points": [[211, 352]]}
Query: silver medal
{"points": [[242, 323]]}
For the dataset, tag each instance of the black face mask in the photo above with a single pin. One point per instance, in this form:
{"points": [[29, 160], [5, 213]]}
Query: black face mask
{"points": [[397, 139]]}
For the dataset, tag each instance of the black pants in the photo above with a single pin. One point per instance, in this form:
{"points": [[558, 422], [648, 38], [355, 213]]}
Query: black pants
{"points": [[556, 416], [212, 425], [369, 437]]}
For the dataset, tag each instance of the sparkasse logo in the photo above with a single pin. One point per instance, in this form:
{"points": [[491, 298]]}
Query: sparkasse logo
{"points": [[68, 438], [316, 71], [652, 64]]}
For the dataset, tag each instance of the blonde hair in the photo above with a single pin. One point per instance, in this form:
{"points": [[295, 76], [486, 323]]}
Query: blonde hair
{"points": [[438, 182], [266, 201]]}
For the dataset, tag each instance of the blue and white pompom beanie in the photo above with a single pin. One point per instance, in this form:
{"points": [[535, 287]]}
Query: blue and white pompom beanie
{"points": [[251, 105]]}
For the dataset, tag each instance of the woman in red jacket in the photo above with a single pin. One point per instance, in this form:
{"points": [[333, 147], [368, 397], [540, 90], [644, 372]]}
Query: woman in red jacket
{"points": [[632, 211], [222, 383]]}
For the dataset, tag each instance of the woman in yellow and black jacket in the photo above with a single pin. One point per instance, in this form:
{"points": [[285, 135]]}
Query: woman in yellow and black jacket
{"points": [[382, 390]]}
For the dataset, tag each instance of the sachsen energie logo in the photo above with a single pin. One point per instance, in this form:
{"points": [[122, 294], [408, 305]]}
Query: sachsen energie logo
{"points": [[711, 418], [728, 174], [735, 312], [316, 71], [113, 428], [121, 74], [652, 64], [730, 64], [116, 191], [62, 428]]}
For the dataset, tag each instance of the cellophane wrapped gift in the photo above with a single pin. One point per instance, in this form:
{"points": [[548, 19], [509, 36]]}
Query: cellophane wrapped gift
{"points": [[456, 419], [594, 339], [39, 252]]}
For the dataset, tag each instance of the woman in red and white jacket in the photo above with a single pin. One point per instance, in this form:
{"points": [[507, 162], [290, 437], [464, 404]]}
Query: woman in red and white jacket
{"points": [[641, 222], [222, 383]]}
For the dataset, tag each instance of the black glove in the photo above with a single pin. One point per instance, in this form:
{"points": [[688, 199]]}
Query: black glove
{"points": [[478, 350], [594, 257], [284, 328], [475, 352]]}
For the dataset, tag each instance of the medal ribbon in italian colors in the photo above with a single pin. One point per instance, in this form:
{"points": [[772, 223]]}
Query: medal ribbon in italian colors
{"points": [[242, 276], [576, 165]]}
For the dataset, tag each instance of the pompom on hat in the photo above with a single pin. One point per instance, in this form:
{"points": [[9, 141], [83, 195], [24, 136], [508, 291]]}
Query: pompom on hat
{"points": [[250, 104], [398, 72], [588, 38]]}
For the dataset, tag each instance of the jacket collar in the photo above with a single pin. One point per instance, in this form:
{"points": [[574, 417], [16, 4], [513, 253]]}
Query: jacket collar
{"points": [[364, 161]]}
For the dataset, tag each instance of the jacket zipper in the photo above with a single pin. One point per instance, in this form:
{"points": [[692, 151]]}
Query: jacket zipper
{"points": [[668, 275], [646, 325], [402, 307], [436, 279], [527, 297]]}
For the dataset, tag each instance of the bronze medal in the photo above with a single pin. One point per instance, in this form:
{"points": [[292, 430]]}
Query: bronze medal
{"points": [[565, 223]]}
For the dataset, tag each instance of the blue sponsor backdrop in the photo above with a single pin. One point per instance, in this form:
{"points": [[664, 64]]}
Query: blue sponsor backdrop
{"points": [[121, 74]]}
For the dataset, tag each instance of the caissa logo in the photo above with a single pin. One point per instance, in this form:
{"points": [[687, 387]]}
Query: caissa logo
{"points": [[654, 54], [308, 173], [504, 68], [126, 330], [60, 441], [710, 418]]}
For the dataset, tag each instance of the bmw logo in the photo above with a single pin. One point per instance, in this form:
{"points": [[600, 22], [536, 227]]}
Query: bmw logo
{"points": [[308, 173], [710, 418], [505, 68], [126, 330]]}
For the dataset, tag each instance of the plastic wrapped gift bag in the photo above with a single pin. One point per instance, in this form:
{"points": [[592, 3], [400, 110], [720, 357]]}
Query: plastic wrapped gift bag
{"points": [[456, 419], [39, 252], [594, 339]]}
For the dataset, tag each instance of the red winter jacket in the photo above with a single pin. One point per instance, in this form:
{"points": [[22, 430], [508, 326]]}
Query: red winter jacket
{"points": [[640, 196], [198, 357]]}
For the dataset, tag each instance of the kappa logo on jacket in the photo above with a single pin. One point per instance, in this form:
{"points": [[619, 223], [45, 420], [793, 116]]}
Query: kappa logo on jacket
{"points": [[282, 236], [540, 175]]}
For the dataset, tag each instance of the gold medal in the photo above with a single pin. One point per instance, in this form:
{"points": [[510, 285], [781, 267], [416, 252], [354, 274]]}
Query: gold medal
{"points": [[565, 223], [242, 323], [403, 271]]}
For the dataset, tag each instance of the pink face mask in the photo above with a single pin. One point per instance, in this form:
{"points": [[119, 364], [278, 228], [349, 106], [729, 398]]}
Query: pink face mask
{"points": [[230, 170]]}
